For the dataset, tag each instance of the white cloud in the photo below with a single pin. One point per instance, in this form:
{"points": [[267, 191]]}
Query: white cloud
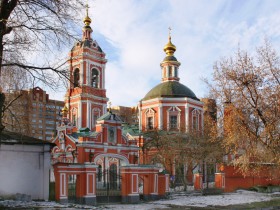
{"points": [[134, 32]]}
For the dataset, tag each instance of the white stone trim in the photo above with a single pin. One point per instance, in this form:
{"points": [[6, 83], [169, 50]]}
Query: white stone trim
{"points": [[137, 190], [156, 183], [79, 117], [121, 157], [185, 99], [96, 145], [166, 183], [151, 112], [82, 71], [160, 117], [93, 184], [88, 114], [198, 114], [63, 184], [140, 116], [178, 116], [88, 96]]}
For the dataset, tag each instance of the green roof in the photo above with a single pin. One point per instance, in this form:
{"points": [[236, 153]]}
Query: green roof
{"points": [[84, 134], [84, 129], [170, 89], [110, 116], [133, 130]]}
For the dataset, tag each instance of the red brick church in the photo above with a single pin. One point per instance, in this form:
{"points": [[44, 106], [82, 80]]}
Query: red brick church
{"points": [[94, 154]]}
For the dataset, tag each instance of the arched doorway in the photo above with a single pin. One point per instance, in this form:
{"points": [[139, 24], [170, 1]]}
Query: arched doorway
{"points": [[108, 179]]}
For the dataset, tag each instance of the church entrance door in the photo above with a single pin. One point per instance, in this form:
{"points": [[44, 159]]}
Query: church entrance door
{"points": [[108, 187]]}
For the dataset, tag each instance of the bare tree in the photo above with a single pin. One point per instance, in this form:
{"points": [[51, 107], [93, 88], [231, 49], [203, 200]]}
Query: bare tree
{"points": [[30, 32], [183, 152], [247, 89]]}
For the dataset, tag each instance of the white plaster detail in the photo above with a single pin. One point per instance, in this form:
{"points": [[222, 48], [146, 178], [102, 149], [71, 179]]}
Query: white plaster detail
{"points": [[134, 176]]}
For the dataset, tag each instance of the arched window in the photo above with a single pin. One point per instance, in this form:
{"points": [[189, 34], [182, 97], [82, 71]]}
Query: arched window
{"points": [[173, 115], [74, 116], [195, 119], [150, 119], [169, 71], [76, 77], [176, 71], [95, 78]]}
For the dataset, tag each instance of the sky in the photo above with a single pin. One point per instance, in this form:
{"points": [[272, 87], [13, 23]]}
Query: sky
{"points": [[133, 33]]}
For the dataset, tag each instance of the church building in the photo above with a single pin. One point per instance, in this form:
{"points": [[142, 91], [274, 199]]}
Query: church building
{"points": [[96, 152], [170, 105], [93, 156]]}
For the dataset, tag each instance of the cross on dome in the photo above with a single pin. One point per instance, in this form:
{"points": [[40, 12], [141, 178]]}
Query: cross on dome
{"points": [[169, 48]]}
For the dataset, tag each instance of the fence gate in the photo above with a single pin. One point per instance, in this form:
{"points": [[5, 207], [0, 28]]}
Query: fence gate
{"points": [[108, 185], [72, 188]]}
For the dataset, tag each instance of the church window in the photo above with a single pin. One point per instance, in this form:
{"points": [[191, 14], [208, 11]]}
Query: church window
{"points": [[76, 77], [173, 115], [195, 119], [150, 123], [175, 72], [95, 78], [74, 116], [173, 122], [169, 71], [150, 119], [95, 116]]}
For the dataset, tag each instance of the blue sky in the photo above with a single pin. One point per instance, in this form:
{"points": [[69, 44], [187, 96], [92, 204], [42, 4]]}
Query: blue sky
{"points": [[133, 33]]}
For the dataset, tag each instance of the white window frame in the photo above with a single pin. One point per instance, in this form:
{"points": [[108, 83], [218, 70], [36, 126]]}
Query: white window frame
{"points": [[196, 117], [173, 111], [93, 112], [150, 113]]}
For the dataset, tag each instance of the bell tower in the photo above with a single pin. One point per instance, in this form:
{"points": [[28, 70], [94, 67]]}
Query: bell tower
{"points": [[86, 96]]}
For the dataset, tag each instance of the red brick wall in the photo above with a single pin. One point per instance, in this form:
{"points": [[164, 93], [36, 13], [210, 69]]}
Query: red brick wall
{"points": [[235, 180]]}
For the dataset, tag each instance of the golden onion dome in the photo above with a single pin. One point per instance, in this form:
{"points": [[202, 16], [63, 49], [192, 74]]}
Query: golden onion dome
{"points": [[87, 19], [169, 48], [64, 110]]}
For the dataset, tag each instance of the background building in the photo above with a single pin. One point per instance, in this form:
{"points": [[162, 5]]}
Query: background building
{"points": [[33, 113], [127, 114]]}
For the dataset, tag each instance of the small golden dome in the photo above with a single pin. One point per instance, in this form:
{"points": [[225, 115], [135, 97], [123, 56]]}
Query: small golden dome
{"points": [[87, 19], [169, 48], [64, 110]]}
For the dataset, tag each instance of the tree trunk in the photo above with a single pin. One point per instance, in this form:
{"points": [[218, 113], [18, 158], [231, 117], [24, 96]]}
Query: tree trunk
{"points": [[2, 100]]}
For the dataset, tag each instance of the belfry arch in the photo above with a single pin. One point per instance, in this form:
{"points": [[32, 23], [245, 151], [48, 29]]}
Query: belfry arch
{"points": [[95, 80], [76, 76]]}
